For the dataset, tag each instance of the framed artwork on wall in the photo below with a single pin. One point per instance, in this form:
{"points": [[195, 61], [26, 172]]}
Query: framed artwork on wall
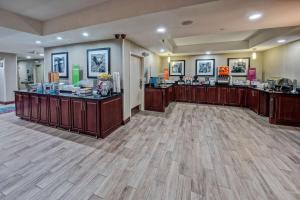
{"points": [[238, 66], [98, 61], [177, 68], [60, 64], [205, 67]]}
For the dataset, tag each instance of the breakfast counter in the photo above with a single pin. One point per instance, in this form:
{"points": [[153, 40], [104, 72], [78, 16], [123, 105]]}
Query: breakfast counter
{"points": [[91, 115], [280, 107]]}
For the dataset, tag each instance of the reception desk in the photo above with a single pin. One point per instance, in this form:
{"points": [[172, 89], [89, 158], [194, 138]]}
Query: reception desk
{"points": [[93, 115]]}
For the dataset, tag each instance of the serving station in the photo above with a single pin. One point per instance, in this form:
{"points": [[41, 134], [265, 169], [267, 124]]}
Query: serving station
{"points": [[280, 107], [91, 115]]}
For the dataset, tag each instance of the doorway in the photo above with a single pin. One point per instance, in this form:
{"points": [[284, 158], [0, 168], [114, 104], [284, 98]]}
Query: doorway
{"points": [[136, 84]]}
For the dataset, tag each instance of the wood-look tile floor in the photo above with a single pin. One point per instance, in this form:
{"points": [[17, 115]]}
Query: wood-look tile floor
{"points": [[189, 152]]}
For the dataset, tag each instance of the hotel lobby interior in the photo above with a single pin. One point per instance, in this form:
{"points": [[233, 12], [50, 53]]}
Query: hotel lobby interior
{"points": [[150, 99]]}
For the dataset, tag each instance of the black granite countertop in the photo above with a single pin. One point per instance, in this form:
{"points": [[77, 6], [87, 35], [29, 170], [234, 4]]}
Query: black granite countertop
{"points": [[71, 95], [164, 86]]}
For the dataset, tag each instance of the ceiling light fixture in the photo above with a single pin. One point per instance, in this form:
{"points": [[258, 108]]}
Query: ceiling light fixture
{"points": [[187, 22], [28, 57], [161, 30], [42, 55], [281, 41], [38, 42], [59, 38], [255, 16], [162, 50], [85, 34], [208, 53], [254, 56]]}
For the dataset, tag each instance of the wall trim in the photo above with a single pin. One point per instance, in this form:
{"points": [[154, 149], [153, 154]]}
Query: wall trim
{"points": [[6, 102]]}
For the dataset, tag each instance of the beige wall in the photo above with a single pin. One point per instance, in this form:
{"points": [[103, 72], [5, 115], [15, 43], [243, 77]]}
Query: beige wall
{"points": [[220, 59], [78, 55], [8, 82], [120, 62], [151, 63], [283, 61]]}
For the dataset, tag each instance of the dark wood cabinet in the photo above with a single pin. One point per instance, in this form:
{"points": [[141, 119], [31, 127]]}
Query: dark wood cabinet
{"points": [[44, 109], [19, 104], [154, 99], [284, 109], [201, 94], [264, 103], [92, 118], [190, 94], [26, 106], [253, 100], [34, 114], [242, 97], [64, 110], [77, 114], [111, 112], [54, 111], [95, 117], [222, 95], [180, 93], [212, 95], [233, 97]]}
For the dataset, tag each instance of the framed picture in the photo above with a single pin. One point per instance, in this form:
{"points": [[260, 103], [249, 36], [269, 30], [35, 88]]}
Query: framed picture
{"points": [[98, 61], [60, 64], [238, 66], [177, 68], [205, 67]]}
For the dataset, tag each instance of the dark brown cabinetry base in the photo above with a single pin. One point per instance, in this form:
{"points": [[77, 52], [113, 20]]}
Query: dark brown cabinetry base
{"points": [[94, 117], [279, 107]]}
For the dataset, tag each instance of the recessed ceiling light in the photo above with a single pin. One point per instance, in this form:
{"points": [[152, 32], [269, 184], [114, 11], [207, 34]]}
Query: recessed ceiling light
{"points": [[255, 16], [208, 52], [28, 57], [38, 42], [162, 50], [42, 55], [85, 34], [161, 30], [281, 41], [59, 38]]}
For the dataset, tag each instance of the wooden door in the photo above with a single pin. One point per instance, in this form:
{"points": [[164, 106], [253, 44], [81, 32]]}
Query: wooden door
{"points": [[65, 118], [212, 95], [19, 104], [53, 111], [222, 95], [232, 97], [92, 122], [26, 106], [44, 109], [77, 114]]}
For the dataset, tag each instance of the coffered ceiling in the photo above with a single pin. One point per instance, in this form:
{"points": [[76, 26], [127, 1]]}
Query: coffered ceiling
{"points": [[217, 25]]}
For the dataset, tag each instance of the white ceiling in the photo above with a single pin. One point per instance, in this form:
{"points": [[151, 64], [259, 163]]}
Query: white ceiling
{"points": [[229, 15], [46, 9], [212, 38]]}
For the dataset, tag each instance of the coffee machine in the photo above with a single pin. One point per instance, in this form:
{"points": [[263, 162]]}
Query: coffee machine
{"points": [[223, 75]]}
